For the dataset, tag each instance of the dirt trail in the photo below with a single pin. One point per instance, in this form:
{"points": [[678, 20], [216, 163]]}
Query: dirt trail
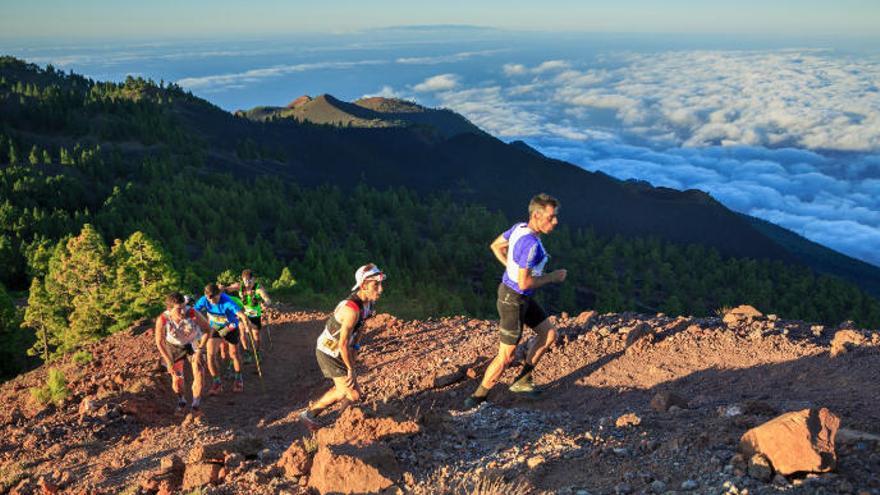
{"points": [[565, 443]]}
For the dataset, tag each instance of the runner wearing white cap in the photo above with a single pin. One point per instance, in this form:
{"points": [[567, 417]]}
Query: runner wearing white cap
{"points": [[338, 344]]}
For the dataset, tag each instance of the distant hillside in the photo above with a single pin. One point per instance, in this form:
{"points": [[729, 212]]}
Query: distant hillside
{"points": [[373, 112]]}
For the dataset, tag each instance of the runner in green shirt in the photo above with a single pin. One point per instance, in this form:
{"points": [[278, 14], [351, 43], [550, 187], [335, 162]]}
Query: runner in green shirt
{"points": [[252, 296]]}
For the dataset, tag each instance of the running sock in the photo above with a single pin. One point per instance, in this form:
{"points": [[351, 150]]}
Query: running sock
{"points": [[526, 370], [196, 402], [217, 379], [238, 376], [481, 391]]}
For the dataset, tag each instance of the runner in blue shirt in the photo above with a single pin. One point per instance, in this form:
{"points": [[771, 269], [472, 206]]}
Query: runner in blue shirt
{"points": [[523, 255], [225, 317]]}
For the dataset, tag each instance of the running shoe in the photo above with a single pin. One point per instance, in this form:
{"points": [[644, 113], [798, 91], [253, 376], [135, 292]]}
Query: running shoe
{"points": [[238, 386], [216, 388], [472, 402], [523, 386], [310, 421]]}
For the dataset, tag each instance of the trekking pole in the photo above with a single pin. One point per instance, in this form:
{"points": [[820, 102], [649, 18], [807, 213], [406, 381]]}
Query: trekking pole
{"points": [[256, 360]]}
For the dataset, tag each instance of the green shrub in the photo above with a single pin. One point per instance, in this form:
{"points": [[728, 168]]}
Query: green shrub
{"points": [[54, 391], [82, 357]]}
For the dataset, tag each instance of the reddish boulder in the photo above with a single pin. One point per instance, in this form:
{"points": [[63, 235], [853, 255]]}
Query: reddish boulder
{"points": [[354, 427], [349, 469], [795, 442]]}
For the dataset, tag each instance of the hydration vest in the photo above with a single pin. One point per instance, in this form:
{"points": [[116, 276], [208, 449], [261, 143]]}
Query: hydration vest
{"points": [[186, 331], [328, 341], [250, 299]]}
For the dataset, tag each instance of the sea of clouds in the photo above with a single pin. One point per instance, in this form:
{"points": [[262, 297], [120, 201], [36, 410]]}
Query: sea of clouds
{"points": [[790, 136]]}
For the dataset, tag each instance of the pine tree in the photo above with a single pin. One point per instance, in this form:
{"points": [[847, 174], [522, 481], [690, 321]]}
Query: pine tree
{"points": [[143, 276], [44, 317]]}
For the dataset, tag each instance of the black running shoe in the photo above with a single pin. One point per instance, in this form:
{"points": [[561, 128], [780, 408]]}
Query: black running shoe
{"points": [[472, 402]]}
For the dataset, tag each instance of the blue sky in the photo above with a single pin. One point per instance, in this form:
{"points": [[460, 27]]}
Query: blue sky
{"points": [[196, 18]]}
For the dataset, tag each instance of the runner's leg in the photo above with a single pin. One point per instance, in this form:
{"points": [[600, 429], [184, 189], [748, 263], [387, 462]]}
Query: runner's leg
{"points": [[498, 365], [545, 339]]}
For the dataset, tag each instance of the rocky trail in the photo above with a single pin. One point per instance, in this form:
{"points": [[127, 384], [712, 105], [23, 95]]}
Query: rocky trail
{"points": [[631, 404]]}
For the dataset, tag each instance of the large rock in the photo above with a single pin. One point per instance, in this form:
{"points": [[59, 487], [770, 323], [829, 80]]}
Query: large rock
{"points": [[795, 442], [348, 469], [355, 427]]}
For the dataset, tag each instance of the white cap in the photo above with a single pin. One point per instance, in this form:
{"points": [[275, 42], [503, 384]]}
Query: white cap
{"points": [[365, 272]]}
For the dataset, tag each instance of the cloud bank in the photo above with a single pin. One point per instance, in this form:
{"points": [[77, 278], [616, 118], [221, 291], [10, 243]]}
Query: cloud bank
{"points": [[790, 136]]}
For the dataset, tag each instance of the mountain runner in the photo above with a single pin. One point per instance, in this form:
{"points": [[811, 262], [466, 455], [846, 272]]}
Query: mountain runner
{"points": [[182, 335], [523, 255], [253, 297], [225, 318], [337, 346]]}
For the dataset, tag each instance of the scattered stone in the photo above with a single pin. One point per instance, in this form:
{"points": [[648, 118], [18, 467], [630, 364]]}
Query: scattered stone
{"points": [[780, 480], [658, 486], [662, 401], [627, 420], [199, 475], [730, 411], [623, 489], [689, 485], [584, 319], [759, 468], [639, 338], [799, 441]]}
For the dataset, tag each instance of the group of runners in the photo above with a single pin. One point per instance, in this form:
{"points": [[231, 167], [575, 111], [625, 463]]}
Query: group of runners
{"points": [[216, 328], [182, 332]]}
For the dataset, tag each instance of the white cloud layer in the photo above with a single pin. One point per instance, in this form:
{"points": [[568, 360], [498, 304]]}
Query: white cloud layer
{"points": [[790, 136]]}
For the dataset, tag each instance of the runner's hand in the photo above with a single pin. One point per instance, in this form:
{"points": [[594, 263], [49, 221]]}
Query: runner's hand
{"points": [[559, 275]]}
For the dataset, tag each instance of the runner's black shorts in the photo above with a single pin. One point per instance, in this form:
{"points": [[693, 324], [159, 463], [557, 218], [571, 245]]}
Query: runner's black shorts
{"points": [[231, 337], [330, 366], [179, 352], [256, 321], [516, 310]]}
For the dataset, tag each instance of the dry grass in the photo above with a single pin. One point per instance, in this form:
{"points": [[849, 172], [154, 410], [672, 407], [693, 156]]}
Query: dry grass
{"points": [[466, 484]]}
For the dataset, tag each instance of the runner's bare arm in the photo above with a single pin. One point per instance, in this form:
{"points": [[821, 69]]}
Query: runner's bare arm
{"points": [[243, 320], [262, 292], [160, 343], [499, 249], [202, 322], [231, 287], [347, 318], [527, 281]]}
